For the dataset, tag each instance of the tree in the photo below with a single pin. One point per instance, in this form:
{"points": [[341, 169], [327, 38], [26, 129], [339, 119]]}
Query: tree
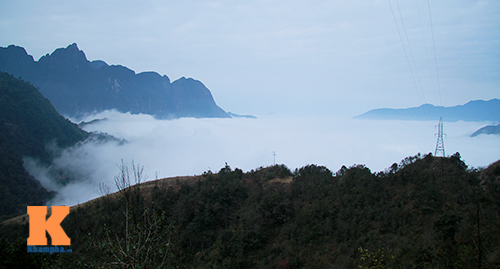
{"points": [[147, 241]]}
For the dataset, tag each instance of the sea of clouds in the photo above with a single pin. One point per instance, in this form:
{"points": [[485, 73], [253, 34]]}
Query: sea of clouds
{"points": [[191, 146]]}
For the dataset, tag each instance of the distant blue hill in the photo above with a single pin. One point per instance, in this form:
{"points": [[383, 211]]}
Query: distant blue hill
{"points": [[477, 110], [76, 86], [490, 129], [241, 116]]}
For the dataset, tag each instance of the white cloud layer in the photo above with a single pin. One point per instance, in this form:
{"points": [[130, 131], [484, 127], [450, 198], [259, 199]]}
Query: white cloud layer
{"points": [[192, 146]]}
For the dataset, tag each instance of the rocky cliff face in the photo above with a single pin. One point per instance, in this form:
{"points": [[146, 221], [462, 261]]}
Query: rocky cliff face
{"points": [[76, 86]]}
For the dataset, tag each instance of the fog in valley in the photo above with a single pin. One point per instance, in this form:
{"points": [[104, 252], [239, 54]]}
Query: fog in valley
{"points": [[315, 64], [189, 146]]}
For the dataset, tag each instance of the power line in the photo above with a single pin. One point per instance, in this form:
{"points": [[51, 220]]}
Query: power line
{"points": [[440, 142], [419, 90], [435, 57], [427, 57], [409, 48]]}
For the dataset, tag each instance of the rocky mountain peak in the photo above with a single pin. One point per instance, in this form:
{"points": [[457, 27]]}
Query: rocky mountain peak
{"points": [[69, 55], [76, 86]]}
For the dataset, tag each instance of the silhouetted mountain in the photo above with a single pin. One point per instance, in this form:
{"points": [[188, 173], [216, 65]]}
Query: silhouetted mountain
{"points": [[76, 86], [478, 110], [490, 129], [28, 124]]}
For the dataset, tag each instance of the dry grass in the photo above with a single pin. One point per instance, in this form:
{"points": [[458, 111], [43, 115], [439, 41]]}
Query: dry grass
{"points": [[146, 189]]}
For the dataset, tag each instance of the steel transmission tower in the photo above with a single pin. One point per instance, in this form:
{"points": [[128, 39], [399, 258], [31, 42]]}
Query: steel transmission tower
{"points": [[440, 143]]}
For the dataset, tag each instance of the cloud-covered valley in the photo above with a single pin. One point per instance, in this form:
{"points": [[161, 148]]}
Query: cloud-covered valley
{"points": [[189, 146]]}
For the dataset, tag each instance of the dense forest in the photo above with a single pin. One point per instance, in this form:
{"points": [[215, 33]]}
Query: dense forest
{"points": [[425, 212], [28, 125]]}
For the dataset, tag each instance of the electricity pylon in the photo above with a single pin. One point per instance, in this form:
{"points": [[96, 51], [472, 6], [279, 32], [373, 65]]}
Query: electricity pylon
{"points": [[440, 142]]}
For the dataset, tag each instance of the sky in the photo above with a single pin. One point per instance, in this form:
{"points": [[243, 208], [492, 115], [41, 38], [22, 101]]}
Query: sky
{"points": [[276, 57]]}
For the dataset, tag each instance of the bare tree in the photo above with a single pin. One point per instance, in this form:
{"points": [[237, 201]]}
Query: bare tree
{"points": [[104, 189], [147, 241]]}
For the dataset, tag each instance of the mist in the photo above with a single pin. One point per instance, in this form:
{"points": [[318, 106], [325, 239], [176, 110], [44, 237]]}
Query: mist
{"points": [[189, 146]]}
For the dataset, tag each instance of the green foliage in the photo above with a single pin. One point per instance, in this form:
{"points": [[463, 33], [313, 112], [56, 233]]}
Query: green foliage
{"points": [[13, 255], [29, 122], [372, 259], [29, 126], [427, 213]]}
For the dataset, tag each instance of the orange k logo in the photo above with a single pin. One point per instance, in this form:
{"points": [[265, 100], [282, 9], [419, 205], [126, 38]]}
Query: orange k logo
{"points": [[38, 226]]}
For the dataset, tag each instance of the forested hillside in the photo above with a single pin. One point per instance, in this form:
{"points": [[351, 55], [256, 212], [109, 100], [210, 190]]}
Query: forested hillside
{"points": [[29, 126], [425, 212]]}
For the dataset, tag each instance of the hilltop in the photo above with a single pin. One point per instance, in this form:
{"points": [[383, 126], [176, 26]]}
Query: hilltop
{"points": [[76, 86], [424, 211]]}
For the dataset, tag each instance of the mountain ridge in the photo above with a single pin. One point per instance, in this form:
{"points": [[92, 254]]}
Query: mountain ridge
{"points": [[475, 110], [77, 86]]}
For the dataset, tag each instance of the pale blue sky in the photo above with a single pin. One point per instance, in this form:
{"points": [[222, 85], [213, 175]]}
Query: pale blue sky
{"points": [[284, 57]]}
